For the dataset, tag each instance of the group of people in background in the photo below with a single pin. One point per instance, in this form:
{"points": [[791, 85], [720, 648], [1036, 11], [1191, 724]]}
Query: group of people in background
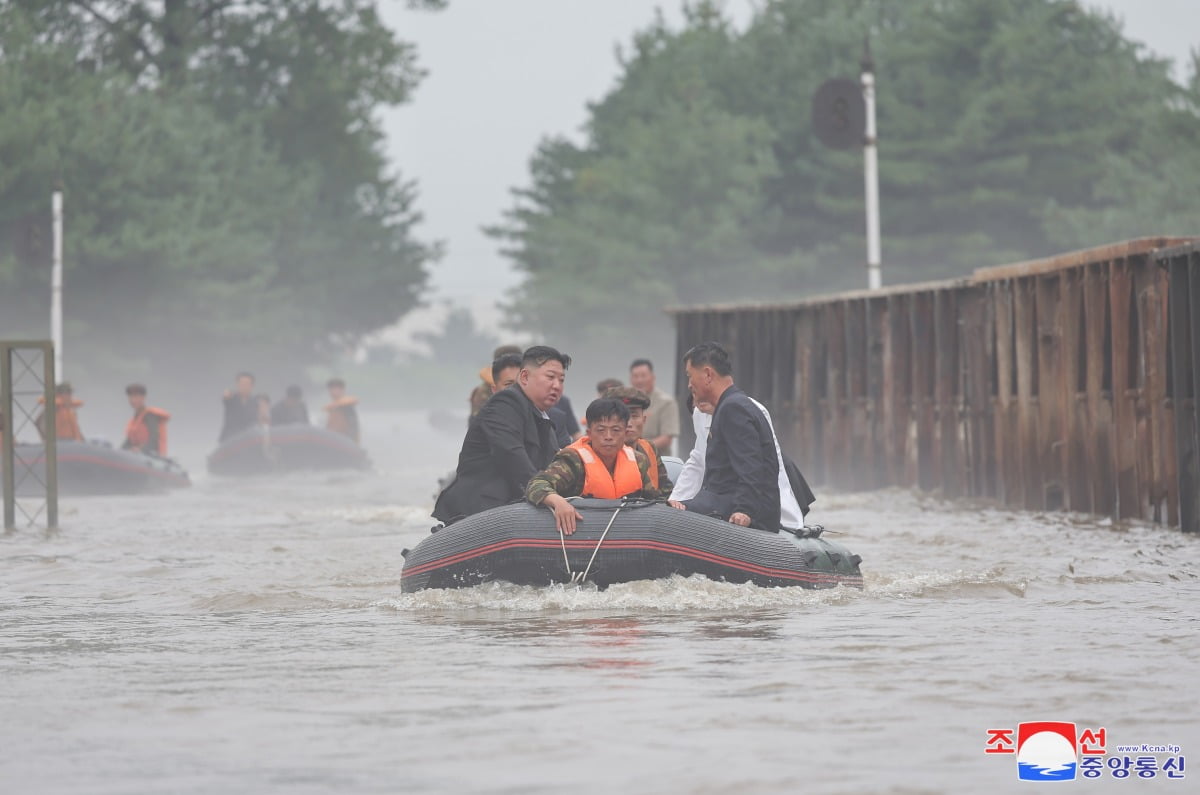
{"points": [[243, 409], [523, 441], [146, 431]]}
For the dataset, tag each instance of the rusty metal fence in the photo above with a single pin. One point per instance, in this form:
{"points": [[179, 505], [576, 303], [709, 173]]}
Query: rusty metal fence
{"points": [[1067, 383]]}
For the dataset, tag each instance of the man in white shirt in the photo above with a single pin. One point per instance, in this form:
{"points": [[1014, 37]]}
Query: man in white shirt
{"points": [[687, 485]]}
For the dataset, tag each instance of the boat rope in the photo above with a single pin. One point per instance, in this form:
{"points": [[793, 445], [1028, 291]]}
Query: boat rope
{"points": [[603, 535]]}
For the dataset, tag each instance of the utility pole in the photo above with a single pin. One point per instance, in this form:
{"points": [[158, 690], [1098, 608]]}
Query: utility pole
{"points": [[56, 285], [871, 170]]}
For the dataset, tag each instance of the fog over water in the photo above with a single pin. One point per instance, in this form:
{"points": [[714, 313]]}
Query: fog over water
{"points": [[252, 637]]}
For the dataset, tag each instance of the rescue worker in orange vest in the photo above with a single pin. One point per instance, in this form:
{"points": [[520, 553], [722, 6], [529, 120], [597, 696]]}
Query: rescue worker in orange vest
{"points": [[343, 417], [147, 430], [638, 402], [66, 421], [487, 386], [597, 465]]}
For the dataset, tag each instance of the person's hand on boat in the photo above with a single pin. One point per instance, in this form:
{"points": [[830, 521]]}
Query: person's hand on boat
{"points": [[677, 504], [740, 519], [565, 515]]}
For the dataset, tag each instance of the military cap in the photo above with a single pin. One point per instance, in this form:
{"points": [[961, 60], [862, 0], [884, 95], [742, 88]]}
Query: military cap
{"points": [[629, 396]]}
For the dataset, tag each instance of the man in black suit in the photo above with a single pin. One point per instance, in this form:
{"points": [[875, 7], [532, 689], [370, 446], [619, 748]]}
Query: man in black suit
{"points": [[741, 473], [509, 441]]}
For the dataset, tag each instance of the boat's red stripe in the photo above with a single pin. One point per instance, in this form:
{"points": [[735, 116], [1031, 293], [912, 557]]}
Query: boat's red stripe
{"points": [[258, 441], [662, 546], [77, 458]]}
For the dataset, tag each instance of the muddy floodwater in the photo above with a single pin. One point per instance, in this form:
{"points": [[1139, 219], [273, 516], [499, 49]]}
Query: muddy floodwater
{"points": [[252, 637]]}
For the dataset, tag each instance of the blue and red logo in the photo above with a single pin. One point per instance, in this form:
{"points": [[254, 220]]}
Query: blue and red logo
{"points": [[1046, 751]]}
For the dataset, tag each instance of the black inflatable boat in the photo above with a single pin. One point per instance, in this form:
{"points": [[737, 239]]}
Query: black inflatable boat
{"points": [[284, 448], [96, 467], [620, 542]]}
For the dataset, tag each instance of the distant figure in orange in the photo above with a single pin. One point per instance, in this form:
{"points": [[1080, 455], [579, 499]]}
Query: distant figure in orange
{"points": [[66, 421], [147, 430], [343, 416]]}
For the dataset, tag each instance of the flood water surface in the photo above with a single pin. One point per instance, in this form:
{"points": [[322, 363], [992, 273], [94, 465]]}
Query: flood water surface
{"points": [[252, 637]]}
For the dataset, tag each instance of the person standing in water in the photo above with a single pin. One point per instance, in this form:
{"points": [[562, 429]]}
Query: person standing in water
{"points": [[147, 430], [240, 405], [343, 416]]}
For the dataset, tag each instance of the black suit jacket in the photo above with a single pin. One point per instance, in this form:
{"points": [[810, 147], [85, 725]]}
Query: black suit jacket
{"points": [[507, 443], [740, 467]]}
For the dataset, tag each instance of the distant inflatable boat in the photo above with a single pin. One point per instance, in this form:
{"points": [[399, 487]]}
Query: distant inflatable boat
{"points": [[620, 542], [285, 448], [96, 467]]}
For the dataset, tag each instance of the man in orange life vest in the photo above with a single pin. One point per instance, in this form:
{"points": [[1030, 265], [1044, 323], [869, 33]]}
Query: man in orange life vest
{"points": [[343, 417], [597, 465], [147, 430], [638, 402], [66, 421]]}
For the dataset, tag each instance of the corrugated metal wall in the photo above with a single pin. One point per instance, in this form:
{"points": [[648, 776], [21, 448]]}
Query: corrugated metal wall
{"points": [[1046, 385]]}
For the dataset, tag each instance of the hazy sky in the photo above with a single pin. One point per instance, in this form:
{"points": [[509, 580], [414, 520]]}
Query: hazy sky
{"points": [[505, 73]]}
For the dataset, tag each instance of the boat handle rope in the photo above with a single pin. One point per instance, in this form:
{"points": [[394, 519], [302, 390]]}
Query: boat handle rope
{"points": [[578, 578]]}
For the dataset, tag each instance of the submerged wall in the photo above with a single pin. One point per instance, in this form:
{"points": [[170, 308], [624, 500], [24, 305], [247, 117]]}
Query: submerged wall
{"points": [[1064, 383]]}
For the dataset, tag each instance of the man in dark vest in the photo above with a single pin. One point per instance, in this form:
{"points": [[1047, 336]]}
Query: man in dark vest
{"points": [[741, 474], [509, 441]]}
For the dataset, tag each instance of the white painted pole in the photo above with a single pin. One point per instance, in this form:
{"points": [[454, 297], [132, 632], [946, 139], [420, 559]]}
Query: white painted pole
{"points": [[56, 285], [871, 174]]}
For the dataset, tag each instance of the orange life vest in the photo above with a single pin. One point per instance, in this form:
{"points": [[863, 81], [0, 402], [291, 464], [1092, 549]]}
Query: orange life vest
{"points": [[66, 421], [599, 482], [338, 421], [651, 454], [137, 434]]}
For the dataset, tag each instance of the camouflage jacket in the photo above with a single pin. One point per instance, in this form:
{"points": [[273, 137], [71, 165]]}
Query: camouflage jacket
{"points": [[566, 476], [665, 486]]}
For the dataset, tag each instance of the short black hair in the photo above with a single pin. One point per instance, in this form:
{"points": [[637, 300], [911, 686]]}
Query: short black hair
{"points": [[709, 354], [244, 374], [135, 389], [63, 389], [540, 354], [293, 391], [603, 408], [332, 382], [639, 362], [503, 362]]}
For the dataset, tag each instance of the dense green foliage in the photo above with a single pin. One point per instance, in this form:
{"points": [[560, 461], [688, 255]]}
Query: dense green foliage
{"points": [[228, 201], [1007, 130]]}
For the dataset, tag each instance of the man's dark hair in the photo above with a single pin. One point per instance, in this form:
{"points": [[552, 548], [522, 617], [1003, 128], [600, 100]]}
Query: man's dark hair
{"points": [[135, 389], [293, 391], [639, 362], [709, 354], [244, 374], [63, 389], [503, 362], [332, 382], [607, 384], [540, 354], [603, 408]]}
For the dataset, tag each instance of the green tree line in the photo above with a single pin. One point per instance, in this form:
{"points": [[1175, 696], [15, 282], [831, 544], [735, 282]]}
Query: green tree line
{"points": [[228, 200], [1008, 130]]}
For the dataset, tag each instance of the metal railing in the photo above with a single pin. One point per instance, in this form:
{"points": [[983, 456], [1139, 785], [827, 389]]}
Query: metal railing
{"points": [[28, 472]]}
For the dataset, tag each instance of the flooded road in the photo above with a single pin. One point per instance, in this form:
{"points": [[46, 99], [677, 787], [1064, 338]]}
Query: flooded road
{"points": [[252, 637]]}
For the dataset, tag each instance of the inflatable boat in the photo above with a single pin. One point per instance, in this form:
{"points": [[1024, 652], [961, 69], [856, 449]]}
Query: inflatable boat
{"points": [[284, 448], [96, 467], [620, 541]]}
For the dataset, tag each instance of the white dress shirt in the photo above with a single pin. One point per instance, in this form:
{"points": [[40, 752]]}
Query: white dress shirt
{"points": [[691, 476]]}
